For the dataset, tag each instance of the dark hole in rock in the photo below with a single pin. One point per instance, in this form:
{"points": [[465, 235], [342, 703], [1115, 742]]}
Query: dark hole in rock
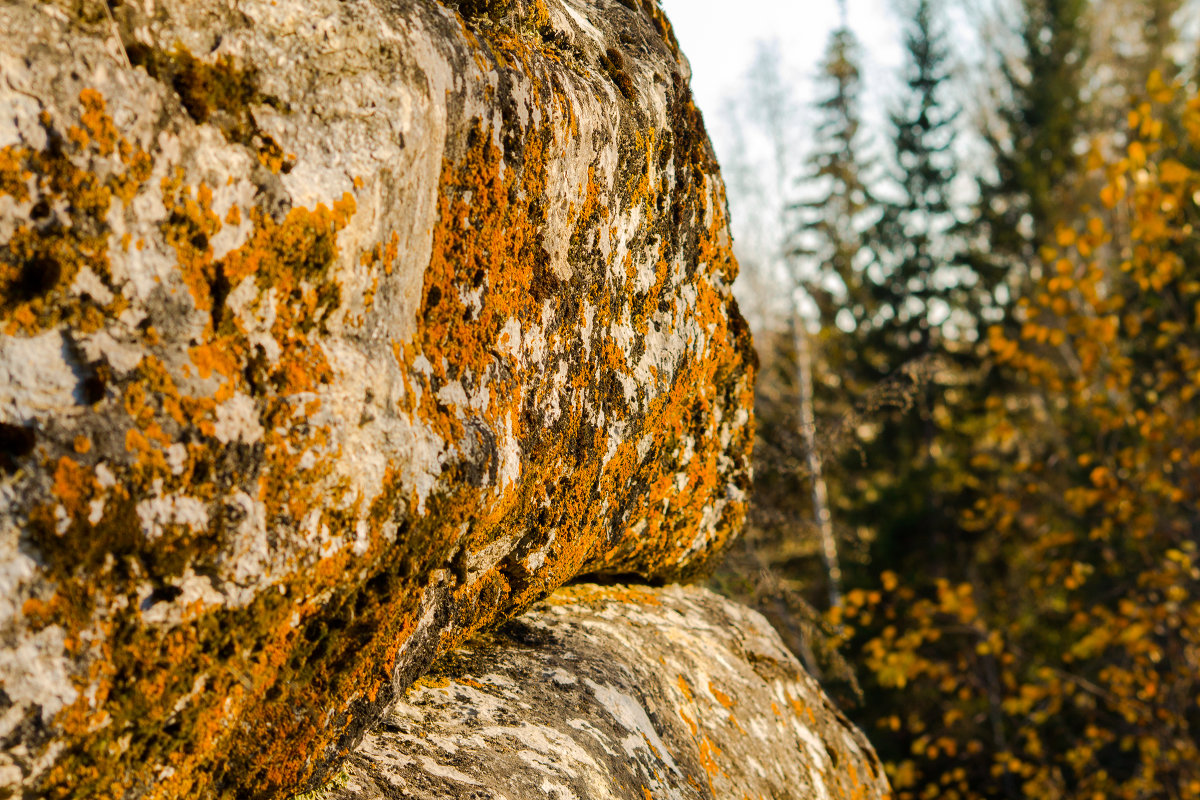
{"points": [[93, 388], [191, 90], [162, 594], [38, 276], [380, 586], [315, 630], [220, 289], [16, 441]]}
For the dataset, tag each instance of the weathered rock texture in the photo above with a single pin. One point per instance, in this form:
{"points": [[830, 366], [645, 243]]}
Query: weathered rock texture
{"points": [[612, 693], [330, 332]]}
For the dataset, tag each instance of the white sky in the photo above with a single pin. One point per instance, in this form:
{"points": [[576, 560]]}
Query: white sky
{"points": [[718, 37]]}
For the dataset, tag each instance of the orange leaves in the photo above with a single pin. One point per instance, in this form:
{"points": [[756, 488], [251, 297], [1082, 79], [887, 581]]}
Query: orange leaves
{"points": [[1160, 91], [1171, 171], [1080, 642], [1102, 478], [1002, 347], [1114, 192], [956, 601], [889, 580], [1137, 154]]}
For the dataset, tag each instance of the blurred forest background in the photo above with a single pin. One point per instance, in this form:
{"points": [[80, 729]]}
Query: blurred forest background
{"points": [[977, 491]]}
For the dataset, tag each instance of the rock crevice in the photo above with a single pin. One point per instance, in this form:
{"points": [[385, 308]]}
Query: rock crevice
{"points": [[616, 692]]}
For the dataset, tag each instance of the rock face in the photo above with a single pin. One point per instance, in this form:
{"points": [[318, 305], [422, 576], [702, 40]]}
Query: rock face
{"points": [[613, 693], [332, 331]]}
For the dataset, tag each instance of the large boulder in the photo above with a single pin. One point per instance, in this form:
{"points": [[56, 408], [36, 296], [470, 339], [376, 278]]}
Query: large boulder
{"points": [[616, 693], [332, 331]]}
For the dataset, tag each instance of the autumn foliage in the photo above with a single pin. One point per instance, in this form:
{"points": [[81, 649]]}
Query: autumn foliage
{"points": [[1061, 657]]}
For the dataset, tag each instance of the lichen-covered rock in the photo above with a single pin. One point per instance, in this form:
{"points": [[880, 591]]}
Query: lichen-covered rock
{"points": [[613, 693], [332, 331]]}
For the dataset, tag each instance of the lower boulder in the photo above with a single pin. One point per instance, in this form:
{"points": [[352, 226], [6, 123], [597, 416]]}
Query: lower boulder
{"points": [[616, 692]]}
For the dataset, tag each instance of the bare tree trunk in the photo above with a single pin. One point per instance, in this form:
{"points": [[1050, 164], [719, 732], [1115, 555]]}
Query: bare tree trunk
{"points": [[820, 495]]}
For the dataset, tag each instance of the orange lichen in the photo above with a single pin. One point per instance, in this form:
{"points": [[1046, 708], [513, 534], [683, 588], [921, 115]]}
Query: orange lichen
{"points": [[432, 682], [72, 483], [302, 675], [708, 760], [721, 697], [42, 256]]}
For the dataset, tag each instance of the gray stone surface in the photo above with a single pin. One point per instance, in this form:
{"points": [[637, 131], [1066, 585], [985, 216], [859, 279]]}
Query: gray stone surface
{"points": [[616, 693], [332, 331]]}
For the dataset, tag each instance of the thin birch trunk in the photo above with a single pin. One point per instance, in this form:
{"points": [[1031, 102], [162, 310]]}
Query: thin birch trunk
{"points": [[820, 495]]}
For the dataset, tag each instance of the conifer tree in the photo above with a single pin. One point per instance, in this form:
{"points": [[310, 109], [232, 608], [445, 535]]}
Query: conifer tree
{"points": [[915, 243], [916, 284], [1033, 138], [830, 225], [829, 233]]}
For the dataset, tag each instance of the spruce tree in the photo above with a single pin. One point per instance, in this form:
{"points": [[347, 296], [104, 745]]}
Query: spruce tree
{"points": [[1033, 139], [914, 279], [830, 223], [919, 338]]}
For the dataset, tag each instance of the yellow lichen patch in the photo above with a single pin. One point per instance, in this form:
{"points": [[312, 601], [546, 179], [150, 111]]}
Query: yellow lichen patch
{"points": [[708, 759], [97, 123], [66, 228], [72, 485], [721, 697], [14, 174], [595, 594], [650, 746]]}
